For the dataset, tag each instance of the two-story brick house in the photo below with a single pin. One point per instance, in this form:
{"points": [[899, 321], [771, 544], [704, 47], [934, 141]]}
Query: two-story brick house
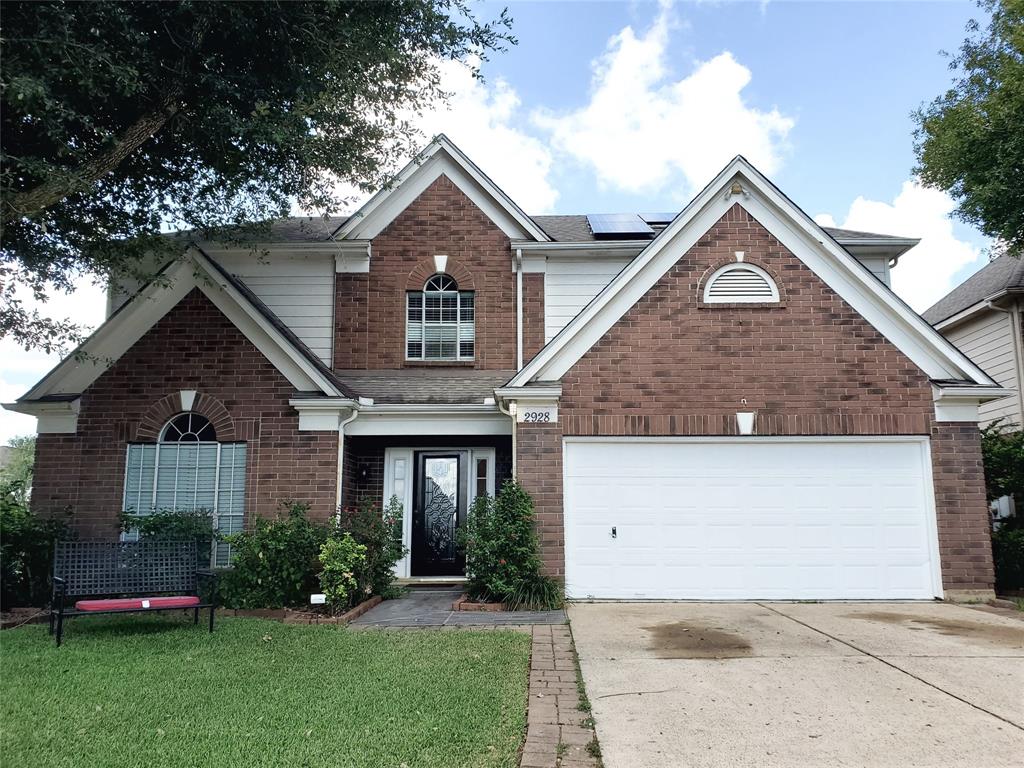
{"points": [[727, 402]]}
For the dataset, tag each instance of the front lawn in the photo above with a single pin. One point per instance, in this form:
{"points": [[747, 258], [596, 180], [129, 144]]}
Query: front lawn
{"points": [[154, 691]]}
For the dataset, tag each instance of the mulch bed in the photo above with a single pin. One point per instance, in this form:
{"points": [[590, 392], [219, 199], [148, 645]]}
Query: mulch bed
{"points": [[15, 617]]}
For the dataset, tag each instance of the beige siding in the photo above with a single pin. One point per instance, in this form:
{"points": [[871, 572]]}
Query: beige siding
{"points": [[299, 290], [570, 284], [988, 341], [879, 266]]}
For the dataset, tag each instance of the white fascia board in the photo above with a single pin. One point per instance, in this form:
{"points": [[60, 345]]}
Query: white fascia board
{"points": [[440, 157], [592, 247], [961, 403], [127, 326], [430, 420], [322, 415], [928, 349], [119, 333], [51, 417], [527, 394]]}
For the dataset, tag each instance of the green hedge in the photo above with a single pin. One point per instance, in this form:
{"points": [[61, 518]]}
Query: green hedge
{"points": [[1008, 554]]}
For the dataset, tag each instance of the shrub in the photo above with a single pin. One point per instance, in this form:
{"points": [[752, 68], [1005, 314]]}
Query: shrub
{"points": [[26, 549], [381, 534], [536, 592], [342, 558], [1008, 555], [1002, 450], [177, 525], [276, 563], [502, 552]]}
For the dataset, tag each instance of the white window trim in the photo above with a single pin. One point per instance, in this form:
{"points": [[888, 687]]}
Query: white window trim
{"points": [[423, 325], [740, 265]]}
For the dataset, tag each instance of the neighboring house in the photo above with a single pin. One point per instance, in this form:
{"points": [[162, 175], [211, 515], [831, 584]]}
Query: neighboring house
{"points": [[727, 402], [984, 317]]}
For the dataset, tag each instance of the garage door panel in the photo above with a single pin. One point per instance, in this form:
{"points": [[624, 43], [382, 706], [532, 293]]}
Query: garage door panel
{"points": [[735, 520]]}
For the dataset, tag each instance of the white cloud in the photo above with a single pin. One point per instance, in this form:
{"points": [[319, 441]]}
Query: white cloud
{"points": [[641, 129], [481, 119], [20, 369], [925, 273]]}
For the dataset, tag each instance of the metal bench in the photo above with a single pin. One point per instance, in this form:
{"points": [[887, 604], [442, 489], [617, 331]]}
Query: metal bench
{"points": [[129, 576]]}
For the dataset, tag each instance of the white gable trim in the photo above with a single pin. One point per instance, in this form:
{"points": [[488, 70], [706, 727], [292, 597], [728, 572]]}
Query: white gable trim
{"points": [[440, 158], [124, 329], [739, 182]]}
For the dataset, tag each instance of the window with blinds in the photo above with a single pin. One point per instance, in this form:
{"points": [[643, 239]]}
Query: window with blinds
{"points": [[740, 283], [440, 322], [188, 471]]}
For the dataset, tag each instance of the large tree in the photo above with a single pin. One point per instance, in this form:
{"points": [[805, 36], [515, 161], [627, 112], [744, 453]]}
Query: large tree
{"points": [[123, 119], [970, 140]]}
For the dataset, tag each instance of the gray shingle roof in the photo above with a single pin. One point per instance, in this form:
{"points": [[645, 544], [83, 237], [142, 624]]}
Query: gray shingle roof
{"points": [[576, 228], [425, 385], [1002, 274]]}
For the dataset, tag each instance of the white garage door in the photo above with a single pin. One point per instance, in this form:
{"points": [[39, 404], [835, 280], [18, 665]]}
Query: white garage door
{"points": [[749, 518]]}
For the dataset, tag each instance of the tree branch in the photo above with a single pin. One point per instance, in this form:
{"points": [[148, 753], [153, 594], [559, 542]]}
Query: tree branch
{"points": [[32, 201]]}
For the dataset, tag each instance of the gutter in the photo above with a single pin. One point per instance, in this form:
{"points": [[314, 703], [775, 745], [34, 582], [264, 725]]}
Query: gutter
{"points": [[339, 495]]}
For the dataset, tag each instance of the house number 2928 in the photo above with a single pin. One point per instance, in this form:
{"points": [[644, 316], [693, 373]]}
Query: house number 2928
{"points": [[538, 415]]}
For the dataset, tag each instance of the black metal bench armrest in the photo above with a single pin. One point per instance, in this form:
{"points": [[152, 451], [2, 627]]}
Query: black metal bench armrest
{"points": [[206, 573]]}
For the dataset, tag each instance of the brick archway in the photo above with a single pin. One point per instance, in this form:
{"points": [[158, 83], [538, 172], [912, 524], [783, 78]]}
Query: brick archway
{"points": [[160, 412], [425, 269]]}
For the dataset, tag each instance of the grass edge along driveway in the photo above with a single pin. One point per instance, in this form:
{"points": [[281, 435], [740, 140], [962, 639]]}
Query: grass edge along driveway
{"points": [[155, 691]]}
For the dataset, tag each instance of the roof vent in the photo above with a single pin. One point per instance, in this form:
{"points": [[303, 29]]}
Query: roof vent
{"points": [[740, 283]]}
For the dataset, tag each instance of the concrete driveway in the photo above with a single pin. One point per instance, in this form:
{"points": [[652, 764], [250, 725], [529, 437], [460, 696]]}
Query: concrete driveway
{"points": [[784, 684]]}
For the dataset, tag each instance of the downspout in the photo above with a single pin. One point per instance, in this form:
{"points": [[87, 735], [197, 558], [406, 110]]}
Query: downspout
{"points": [[511, 413], [1018, 348], [519, 313], [339, 496]]}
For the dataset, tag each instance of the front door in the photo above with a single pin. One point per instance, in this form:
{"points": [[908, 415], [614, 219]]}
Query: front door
{"points": [[439, 510]]}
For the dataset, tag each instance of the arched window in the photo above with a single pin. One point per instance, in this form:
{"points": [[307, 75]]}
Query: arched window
{"points": [[440, 321], [188, 470], [740, 283]]}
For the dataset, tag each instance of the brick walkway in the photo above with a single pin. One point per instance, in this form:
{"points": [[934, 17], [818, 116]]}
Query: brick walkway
{"points": [[558, 731]]}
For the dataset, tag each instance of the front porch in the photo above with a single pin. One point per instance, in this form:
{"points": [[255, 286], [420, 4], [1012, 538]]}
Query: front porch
{"points": [[436, 478]]}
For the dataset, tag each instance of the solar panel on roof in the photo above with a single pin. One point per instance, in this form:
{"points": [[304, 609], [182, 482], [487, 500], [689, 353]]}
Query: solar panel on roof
{"points": [[657, 218], [618, 225]]}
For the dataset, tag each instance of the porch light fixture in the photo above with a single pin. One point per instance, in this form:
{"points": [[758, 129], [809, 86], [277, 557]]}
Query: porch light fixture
{"points": [[745, 422]]}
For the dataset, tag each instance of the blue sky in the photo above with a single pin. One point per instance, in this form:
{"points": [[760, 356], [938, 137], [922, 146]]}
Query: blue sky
{"points": [[633, 106]]}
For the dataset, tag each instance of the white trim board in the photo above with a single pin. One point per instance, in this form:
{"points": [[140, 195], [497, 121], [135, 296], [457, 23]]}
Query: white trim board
{"points": [[928, 349], [440, 157], [129, 324]]}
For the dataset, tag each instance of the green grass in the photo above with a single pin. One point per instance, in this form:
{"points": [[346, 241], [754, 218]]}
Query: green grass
{"points": [[154, 691]]}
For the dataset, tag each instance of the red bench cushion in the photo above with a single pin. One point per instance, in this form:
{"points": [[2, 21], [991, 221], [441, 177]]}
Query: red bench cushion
{"points": [[136, 603]]}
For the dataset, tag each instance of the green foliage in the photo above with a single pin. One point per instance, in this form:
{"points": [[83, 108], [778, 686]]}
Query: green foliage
{"points": [[381, 534], [276, 563], [1002, 451], [20, 463], [120, 119], [175, 525], [1008, 555], [502, 552], [969, 141], [257, 693], [536, 592], [26, 550], [342, 558]]}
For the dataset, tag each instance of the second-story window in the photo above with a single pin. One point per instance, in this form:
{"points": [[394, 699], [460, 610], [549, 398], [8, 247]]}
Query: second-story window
{"points": [[440, 321]]}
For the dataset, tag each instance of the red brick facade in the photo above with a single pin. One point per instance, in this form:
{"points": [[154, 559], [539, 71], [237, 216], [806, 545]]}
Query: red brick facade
{"points": [[370, 308], [193, 347], [965, 546], [809, 365]]}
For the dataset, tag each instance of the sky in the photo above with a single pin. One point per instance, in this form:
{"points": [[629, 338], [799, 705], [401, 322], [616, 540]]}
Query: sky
{"points": [[607, 107]]}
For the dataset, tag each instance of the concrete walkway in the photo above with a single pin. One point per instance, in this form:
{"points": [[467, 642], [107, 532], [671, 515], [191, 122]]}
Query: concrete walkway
{"points": [[782, 684], [432, 607]]}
